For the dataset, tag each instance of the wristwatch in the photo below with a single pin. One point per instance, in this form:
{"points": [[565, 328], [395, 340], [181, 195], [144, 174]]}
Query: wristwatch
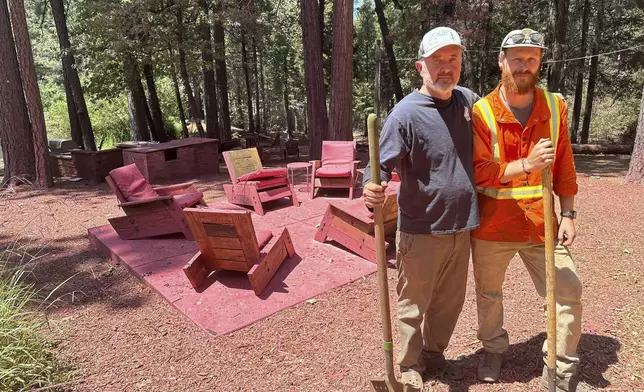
{"points": [[569, 214]]}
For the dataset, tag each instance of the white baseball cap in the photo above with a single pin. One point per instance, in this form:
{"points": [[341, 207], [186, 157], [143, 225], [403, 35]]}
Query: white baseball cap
{"points": [[438, 38]]}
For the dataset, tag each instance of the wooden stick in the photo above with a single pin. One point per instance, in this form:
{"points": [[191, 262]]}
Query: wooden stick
{"points": [[379, 229], [551, 304]]}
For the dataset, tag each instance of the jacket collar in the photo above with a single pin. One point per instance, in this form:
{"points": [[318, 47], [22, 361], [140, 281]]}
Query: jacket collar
{"points": [[540, 111]]}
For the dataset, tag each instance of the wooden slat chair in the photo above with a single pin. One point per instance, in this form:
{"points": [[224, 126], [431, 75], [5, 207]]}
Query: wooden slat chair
{"points": [[337, 167], [150, 210], [253, 184], [351, 224], [227, 240]]}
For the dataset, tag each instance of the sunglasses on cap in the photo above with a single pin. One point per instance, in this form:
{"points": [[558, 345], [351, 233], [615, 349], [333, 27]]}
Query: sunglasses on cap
{"points": [[525, 37]]}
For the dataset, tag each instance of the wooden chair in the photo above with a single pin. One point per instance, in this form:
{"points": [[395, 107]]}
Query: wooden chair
{"points": [[227, 240], [252, 184], [150, 211], [351, 224], [337, 168]]}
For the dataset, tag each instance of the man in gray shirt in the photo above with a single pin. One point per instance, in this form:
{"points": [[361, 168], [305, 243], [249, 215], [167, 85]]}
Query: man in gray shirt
{"points": [[427, 138]]}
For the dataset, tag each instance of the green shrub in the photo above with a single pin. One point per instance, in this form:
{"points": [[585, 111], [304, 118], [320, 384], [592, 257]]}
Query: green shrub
{"points": [[26, 359]]}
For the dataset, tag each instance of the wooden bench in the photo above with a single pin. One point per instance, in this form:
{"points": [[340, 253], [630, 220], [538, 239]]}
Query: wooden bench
{"points": [[351, 224], [227, 240]]}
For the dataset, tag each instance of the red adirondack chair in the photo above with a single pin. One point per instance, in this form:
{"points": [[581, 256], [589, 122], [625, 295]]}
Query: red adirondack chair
{"points": [[351, 224], [337, 168], [253, 184], [150, 211], [228, 240]]}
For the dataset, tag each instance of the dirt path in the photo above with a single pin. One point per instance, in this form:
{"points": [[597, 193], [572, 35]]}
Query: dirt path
{"points": [[123, 337]]}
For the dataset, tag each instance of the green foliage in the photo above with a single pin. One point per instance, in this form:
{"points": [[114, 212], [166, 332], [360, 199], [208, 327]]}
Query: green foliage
{"points": [[26, 359], [614, 121]]}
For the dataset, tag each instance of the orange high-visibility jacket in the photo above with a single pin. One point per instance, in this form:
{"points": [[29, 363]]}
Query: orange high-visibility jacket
{"points": [[513, 212]]}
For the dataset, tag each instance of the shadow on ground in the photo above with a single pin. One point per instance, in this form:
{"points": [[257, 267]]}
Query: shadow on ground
{"points": [[524, 362]]}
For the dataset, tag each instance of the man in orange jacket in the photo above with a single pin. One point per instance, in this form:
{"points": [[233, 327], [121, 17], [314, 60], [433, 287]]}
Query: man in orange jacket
{"points": [[520, 129]]}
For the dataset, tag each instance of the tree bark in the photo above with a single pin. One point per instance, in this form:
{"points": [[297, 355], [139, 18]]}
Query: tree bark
{"points": [[592, 77], [314, 77], [210, 87], [177, 94], [636, 169], [69, 67], [265, 113], [155, 106], [340, 125], [486, 44], [15, 130], [389, 49], [137, 105], [556, 77], [579, 85], [74, 123], [195, 114], [32, 93], [220, 73], [287, 106], [239, 106], [249, 93], [321, 16], [258, 114]]}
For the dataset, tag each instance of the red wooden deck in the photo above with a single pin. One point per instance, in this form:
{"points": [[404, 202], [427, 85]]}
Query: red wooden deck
{"points": [[227, 302]]}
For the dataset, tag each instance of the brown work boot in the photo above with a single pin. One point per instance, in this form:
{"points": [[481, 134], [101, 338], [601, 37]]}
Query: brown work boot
{"points": [[566, 384], [412, 381], [490, 367]]}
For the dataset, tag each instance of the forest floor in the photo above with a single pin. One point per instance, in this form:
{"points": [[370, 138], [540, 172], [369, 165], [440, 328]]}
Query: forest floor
{"points": [[122, 336]]}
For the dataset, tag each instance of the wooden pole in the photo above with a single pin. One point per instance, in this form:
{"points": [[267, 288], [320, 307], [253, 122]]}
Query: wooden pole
{"points": [[551, 303], [376, 85], [374, 162]]}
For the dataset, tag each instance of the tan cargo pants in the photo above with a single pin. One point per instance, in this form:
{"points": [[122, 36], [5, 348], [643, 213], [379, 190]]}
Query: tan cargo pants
{"points": [[432, 276], [491, 260]]}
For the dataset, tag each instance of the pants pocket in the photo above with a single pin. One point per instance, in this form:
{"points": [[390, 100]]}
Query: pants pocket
{"points": [[404, 242]]}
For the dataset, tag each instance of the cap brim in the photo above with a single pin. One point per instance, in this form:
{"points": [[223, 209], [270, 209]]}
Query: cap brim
{"points": [[427, 54], [524, 46]]}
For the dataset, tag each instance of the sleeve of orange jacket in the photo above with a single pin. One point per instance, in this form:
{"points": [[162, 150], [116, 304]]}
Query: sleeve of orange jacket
{"points": [[564, 174], [487, 171]]}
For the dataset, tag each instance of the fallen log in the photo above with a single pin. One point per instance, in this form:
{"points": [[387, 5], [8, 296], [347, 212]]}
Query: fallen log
{"points": [[593, 149]]}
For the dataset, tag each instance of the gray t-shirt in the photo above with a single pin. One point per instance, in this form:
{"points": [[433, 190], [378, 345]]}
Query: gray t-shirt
{"points": [[521, 114], [429, 143]]}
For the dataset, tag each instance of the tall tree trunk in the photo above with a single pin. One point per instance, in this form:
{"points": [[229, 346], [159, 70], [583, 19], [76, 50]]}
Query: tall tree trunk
{"points": [[321, 16], [258, 114], [636, 169], [195, 114], [590, 93], [265, 114], [196, 87], [249, 93], [210, 87], [15, 130], [177, 94], [239, 106], [154, 105], [389, 49], [69, 67], [32, 93], [483, 57], [579, 85], [74, 123], [317, 121], [287, 106], [136, 101], [220, 72], [340, 125], [556, 77]]}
